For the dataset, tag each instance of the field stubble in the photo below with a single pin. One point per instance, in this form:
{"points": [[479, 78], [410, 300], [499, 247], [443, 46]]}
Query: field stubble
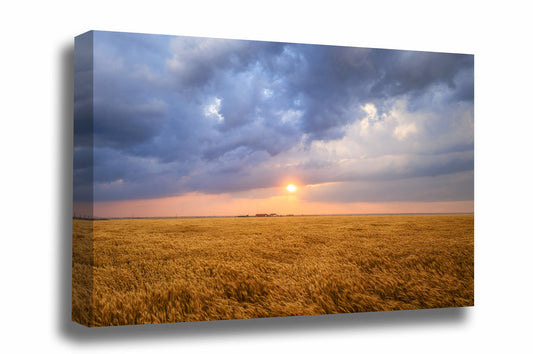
{"points": [[144, 271]]}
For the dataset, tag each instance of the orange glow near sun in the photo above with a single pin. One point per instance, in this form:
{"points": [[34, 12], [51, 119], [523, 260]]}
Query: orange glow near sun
{"points": [[291, 188]]}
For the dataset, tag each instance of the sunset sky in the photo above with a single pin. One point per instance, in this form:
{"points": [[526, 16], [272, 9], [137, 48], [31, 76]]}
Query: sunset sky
{"points": [[189, 126]]}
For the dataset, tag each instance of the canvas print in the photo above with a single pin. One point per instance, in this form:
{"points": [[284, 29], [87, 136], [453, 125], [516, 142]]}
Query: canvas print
{"points": [[219, 179]]}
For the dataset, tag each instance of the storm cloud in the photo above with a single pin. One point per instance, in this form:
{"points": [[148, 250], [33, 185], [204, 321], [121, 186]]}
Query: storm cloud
{"points": [[173, 115]]}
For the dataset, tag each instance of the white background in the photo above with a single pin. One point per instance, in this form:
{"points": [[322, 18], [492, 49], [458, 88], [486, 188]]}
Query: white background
{"points": [[36, 110]]}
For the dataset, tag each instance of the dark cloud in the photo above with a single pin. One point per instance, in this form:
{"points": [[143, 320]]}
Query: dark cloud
{"points": [[83, 90], [180, 114], [449, 187], [409, 72], [121, 125], [83, 122], [196, 61]]}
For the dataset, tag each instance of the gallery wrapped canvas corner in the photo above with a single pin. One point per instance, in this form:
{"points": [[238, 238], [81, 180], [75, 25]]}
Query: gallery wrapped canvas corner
{"points": [[220, 179]]}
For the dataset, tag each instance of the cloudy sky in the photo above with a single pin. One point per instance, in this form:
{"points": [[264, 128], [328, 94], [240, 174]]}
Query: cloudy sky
{"points": [[194, 126]]}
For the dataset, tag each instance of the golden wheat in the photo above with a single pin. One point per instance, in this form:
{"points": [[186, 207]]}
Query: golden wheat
{"points": [[172, 270]]}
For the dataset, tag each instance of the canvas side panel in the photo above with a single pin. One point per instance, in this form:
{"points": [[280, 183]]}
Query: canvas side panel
{"points": [[83, 211]]}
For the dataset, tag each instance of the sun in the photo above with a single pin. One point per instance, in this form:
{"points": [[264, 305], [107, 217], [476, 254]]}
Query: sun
{"points": [[291, 188]]}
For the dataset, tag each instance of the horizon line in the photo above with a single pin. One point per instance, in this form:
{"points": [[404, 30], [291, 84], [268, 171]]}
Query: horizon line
{"points": [[255, 216]]}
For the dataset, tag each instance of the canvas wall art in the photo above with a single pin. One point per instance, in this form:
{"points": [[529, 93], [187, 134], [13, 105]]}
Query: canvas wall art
{"points": [[219, 179]]}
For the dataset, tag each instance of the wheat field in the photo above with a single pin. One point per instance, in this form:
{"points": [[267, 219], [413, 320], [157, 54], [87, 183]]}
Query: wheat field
{"points": [[141, 271]]}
